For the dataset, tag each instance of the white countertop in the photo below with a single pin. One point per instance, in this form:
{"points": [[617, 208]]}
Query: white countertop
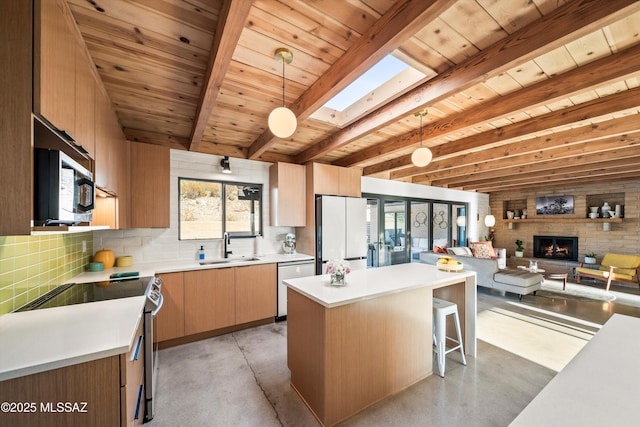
{"points": [[375, 282], [170, 266], [40, 340], [599, 387]]}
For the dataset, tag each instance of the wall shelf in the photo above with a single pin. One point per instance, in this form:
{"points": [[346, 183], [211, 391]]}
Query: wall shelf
{"points": [[532, 220]]}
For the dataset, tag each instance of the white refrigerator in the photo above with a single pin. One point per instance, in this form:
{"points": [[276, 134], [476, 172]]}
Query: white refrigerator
{"points": [[341, 231]]}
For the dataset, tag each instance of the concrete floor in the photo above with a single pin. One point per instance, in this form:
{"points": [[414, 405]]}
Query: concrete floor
{"points": [[241, 379]]}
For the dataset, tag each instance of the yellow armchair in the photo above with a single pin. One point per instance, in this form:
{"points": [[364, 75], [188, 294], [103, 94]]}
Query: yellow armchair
{"points": [[624, 268]]}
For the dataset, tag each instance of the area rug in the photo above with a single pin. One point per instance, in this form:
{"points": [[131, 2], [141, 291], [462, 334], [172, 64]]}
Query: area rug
{"points": [[538, 335], [554, 287]]}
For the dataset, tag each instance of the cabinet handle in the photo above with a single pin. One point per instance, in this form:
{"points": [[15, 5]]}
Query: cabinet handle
{"points": [[136, 354], [137, 416]]}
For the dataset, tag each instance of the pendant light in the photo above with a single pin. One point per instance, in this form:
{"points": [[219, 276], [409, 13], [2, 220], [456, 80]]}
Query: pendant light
{"points": [[282, 121], [422, 155]]}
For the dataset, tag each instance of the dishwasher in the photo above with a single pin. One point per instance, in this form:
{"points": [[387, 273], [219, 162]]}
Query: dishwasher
{"points": [[290, 270]]}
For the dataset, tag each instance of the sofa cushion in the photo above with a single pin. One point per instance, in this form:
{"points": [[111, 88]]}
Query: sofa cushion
{"points": [[482, 249], [460, 250], [604, 274]]}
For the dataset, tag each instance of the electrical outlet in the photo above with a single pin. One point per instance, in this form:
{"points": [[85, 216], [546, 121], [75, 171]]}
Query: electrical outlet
{"points": [[84, 246]]}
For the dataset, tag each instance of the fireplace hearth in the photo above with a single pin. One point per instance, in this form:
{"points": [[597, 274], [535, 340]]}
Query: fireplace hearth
{"points": [[556, 247]]}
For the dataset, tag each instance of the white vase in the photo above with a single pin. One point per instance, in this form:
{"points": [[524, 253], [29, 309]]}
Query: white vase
{"points": [[594, 209], [589, 260], [605, 210], [519, 254]]}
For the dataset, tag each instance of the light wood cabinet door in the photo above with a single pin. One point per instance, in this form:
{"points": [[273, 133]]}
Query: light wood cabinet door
{"points": [[54, 68], [326, 179], [16, 124], [103, 148], [350, 182], [288, 189], [256, 295], [150, 183], [209, 300], [85, 100], [170, 319]]}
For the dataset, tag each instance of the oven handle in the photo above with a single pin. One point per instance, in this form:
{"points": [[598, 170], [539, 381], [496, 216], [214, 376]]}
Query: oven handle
{"points": [[157, 309]]}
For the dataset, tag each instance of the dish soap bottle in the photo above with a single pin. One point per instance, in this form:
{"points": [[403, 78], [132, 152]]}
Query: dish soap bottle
{"points": [[201, 254]]}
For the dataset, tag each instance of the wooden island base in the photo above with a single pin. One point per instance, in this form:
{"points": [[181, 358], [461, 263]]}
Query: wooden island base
{"points": [[348, 357]]}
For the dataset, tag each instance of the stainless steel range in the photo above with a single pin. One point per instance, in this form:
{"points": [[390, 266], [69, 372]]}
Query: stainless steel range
{"points": [[79, 293]]}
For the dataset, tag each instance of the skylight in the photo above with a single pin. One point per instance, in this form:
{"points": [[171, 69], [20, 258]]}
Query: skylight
{"points": [[387, 68]]}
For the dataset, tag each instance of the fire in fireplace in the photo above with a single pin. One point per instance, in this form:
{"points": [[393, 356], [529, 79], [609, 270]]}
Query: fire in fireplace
{"points": [[556, 247]]}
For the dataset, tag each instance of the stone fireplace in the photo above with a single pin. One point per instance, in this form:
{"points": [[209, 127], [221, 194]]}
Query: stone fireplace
{"points": [[556, 247]]}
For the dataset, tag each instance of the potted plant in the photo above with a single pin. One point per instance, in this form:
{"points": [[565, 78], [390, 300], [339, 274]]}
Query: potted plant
{"points": [[519, 248], [590, 258]]}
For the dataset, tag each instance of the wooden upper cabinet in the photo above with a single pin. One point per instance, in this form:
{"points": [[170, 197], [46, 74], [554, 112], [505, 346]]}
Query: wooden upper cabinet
{"points": [[350, 182], [256, 287], [54, 64], [288, 189], [16, 123], [326, 179], [336, 180], [85, 100], [150, 184]]}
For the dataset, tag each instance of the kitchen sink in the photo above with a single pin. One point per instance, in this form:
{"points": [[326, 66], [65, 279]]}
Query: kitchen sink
{"points": [[227, 260], [214, 261]]}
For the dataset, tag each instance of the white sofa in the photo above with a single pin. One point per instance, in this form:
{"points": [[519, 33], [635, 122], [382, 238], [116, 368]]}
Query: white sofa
{"points": [[489, 274]]}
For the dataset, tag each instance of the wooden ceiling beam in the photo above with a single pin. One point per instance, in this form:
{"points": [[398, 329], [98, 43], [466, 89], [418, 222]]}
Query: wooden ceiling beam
{"points": [[575, 114], [592, 161], [231, 19], [586, 179], [396, 26], [568, 22], [525, 152], [562, 86]]}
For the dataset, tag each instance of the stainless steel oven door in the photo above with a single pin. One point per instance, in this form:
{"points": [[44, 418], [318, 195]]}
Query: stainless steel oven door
{"points": [[153, 306]]}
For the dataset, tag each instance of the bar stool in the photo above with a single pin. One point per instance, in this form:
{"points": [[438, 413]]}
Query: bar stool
{"points": [[441, 310]]}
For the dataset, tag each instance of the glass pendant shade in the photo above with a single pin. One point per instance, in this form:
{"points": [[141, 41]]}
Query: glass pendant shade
{"points": [[421, 157], [461, 221], [282, 122]]}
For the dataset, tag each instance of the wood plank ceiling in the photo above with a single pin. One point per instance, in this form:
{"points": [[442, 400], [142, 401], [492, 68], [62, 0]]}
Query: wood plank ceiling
{"points": [[520, 93]]}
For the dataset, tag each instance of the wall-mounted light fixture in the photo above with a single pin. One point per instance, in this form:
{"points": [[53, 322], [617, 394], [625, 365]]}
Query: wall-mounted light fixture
{"points": [[489, 220], [282, 121], [461, 221], [226, 166], [422, 155]]}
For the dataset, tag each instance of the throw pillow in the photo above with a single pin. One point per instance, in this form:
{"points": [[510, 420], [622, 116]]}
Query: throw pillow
{"points": [[459, 250], [439, 250], [482, 249]]}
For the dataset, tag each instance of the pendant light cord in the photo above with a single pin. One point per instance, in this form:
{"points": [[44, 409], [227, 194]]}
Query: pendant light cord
{"points": [[283, 61]]}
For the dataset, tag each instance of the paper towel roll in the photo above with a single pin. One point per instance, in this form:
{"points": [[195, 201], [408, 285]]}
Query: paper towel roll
{"points": [[257, 248]]}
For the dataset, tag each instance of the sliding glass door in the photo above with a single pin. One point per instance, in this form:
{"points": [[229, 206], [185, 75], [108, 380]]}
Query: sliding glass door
{"points": [[398, 229]]}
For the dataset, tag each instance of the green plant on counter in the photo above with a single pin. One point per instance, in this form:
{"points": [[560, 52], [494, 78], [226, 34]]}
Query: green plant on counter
{"points": [[519, 245]]}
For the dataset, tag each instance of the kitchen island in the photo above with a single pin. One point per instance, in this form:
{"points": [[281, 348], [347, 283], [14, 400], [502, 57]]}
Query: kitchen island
{"points": [[349, 347]]}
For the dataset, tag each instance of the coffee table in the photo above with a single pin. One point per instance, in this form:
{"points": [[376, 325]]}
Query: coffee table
{"points": [[559, 276]]}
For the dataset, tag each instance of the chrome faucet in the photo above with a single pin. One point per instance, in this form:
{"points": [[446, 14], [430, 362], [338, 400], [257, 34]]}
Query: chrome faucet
{"points": [[226, 241]]}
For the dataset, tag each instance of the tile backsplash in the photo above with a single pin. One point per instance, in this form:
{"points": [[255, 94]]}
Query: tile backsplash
{"points": [[32, 265]]}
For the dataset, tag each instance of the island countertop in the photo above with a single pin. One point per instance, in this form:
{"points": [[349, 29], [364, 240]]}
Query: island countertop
{"points": [[374, 282]]}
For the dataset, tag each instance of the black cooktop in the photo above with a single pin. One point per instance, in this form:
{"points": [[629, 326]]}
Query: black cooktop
{"points": [[78, 293]]}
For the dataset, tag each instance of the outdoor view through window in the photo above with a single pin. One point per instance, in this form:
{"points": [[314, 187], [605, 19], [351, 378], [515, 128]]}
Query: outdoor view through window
{"points": [[203, 215]]}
